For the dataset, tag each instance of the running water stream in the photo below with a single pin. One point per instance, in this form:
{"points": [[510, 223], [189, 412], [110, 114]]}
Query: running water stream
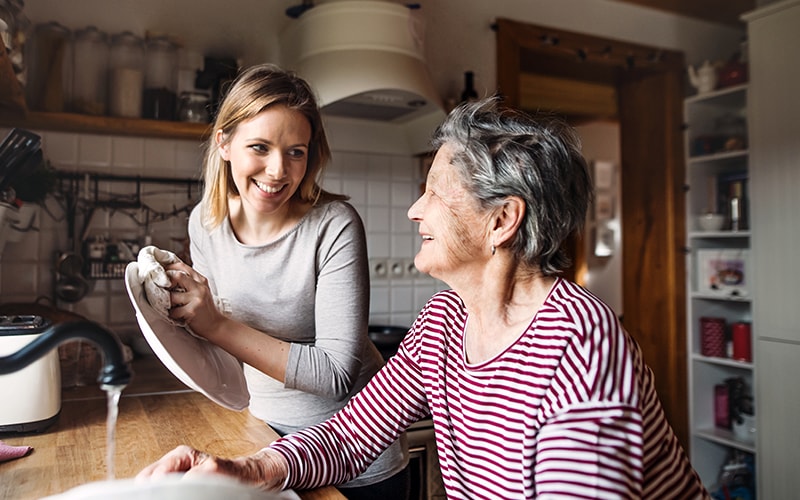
{"points": [[113, 393]]}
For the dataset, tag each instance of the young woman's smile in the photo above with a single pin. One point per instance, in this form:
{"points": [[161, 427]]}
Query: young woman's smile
{"points": [[268, 155]]}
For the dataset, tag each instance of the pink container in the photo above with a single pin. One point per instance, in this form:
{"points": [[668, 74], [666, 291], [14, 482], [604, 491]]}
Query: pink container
{"points": [[712, 337]]}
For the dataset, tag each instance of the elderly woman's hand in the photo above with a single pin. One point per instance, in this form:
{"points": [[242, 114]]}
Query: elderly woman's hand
{"points": [[265, 469]]}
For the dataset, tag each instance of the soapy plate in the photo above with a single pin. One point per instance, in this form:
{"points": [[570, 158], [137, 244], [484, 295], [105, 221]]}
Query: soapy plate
{"points": [[199, 364]]}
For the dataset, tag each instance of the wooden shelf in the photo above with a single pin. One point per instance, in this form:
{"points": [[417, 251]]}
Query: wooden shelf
{"points": [[107, 125]]}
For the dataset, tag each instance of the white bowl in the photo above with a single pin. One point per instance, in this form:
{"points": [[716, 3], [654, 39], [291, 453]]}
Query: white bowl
{"points": [[710, 222]]}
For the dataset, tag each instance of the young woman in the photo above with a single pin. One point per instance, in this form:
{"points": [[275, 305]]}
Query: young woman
{"points": [[288, 261]]}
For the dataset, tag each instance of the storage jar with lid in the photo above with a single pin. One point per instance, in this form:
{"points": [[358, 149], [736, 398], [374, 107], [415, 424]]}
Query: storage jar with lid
{"points": [[193, 107], [49, 63], [160, 81], [126, 75], [90, 71]]}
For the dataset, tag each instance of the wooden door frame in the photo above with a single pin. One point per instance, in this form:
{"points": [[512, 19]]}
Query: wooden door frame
{"points": [[653, 241]]}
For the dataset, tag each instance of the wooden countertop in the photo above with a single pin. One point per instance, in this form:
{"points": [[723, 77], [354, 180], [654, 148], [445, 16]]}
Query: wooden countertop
{"points": [[156, 413]]}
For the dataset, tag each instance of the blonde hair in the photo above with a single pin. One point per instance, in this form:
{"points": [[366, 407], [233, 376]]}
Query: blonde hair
{"points": [[254, 90]]}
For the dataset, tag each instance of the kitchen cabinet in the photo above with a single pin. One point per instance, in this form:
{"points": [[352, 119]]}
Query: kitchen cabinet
{"points": [[774, 129], [719, 293], [76, 123]]}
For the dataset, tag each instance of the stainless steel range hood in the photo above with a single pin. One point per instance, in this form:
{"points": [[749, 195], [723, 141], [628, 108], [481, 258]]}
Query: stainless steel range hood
{"points": [[365, 60]]}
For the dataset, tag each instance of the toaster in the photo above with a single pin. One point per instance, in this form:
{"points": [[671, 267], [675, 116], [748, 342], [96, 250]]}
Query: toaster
{"points": [[31, 397]]}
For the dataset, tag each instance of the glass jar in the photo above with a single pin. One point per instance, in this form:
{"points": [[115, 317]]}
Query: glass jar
{"points": [[126, 75], [49, 62], [160, 81], [90, 71], [193, 107]]}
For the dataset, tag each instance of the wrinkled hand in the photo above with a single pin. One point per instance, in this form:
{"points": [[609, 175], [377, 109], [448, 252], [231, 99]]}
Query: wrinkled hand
{"points": [[266, 469]]}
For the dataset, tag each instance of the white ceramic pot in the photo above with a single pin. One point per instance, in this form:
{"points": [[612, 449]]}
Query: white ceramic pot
{"points": [[710, 222], [172, 487]]}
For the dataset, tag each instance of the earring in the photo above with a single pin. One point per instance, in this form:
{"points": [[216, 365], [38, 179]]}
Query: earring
{"points": [[493, 249]]}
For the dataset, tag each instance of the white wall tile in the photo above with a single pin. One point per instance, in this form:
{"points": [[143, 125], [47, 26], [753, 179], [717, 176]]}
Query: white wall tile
{"points": [[61, 149], [402, 246], [127, 154], [378, 244], [94, 151], [400, 223], [379, 167], [402, 298], [378, 219], [188, 159], [404, 193], [379, 299], [378, 193], [404, 168], [351, 164], [356, 189], [159, 157]]}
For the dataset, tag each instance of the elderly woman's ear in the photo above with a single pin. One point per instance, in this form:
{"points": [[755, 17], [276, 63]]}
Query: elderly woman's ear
{"points": [[506, 221]]}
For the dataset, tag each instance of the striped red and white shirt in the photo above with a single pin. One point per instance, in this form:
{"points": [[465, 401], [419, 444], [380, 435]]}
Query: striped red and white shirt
{"points": [[569, 410]]}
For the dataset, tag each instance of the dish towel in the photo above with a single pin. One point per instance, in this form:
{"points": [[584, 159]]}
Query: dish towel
{"points": [[8, 452], [157, 285]]}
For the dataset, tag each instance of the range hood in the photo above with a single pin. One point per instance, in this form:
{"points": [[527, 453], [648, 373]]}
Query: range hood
{"points": [[365, 60]]}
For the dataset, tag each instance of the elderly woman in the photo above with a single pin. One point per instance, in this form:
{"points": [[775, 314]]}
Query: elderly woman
{"points": [[534, 387]]}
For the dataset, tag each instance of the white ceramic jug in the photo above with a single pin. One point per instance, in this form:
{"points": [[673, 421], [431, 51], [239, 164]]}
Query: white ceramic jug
{"points": [[704, 79]]}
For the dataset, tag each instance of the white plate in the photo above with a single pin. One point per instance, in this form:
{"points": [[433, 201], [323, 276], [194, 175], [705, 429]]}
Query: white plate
{"points": [[196, 362], [171, 487]]}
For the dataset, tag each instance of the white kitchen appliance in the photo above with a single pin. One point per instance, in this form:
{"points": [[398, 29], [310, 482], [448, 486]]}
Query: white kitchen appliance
{"points": [[31, 397]]}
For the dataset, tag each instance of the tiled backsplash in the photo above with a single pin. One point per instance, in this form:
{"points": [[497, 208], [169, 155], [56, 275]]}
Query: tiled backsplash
{"points": [[381, 187]]}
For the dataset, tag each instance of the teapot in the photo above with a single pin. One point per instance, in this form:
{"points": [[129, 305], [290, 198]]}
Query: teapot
{"points": [[704, 78]]}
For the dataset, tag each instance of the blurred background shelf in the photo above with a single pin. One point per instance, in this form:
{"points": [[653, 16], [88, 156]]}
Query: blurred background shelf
{"points": [[106, 125]]}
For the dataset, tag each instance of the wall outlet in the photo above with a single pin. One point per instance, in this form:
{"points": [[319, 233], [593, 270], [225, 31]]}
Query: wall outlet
{"points": [[397, 268], [411, 269], [378, 268]]}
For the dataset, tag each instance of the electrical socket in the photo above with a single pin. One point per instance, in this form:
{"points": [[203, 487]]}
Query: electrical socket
{"points": [[397, 268], [378, 268], [411, 269]]}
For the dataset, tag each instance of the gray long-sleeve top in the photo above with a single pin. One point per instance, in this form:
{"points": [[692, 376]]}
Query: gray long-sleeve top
{"points": [[310, 288]]}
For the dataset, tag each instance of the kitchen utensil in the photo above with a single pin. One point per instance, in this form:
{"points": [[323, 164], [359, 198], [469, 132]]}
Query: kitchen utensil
{"points": [[19, 149], [71, 286], [195, 361], [387, 338], [31, 396]]}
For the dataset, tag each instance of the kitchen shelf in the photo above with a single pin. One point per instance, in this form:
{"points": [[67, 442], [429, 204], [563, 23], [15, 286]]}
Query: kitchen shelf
{"points": [[727, 234], [742, 365], [726, 438], [107, 125], [710, 447]]}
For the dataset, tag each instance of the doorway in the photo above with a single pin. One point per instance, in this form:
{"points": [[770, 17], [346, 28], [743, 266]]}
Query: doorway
{"points": [[587, 78]]}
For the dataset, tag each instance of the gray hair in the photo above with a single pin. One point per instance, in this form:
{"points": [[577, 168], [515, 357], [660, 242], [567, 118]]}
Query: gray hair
{"points": [[501, 152]]}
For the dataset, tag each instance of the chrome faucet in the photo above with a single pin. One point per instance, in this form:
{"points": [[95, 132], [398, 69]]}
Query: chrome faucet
{"points": [[115, 371]]}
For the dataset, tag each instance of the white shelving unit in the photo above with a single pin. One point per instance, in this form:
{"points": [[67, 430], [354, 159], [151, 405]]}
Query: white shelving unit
{"points": [[713, 154]]}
